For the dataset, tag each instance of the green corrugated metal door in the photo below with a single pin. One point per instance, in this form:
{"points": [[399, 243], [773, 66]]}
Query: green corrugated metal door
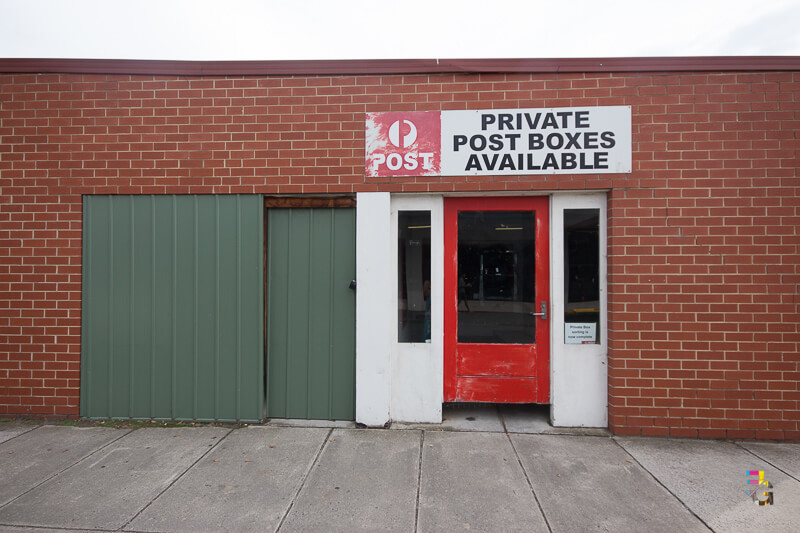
{"points": [[172, 324], [311, 313]]}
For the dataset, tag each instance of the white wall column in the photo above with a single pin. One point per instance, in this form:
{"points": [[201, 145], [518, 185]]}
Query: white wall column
{"points": [[375, 309], [578, 372]]}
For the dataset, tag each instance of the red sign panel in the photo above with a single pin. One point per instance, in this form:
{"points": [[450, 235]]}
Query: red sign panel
{"points": [[404, 144]]}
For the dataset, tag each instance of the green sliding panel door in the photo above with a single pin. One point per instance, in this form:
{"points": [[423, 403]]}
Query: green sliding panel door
{"points": [[172, 320], [311, 313]]}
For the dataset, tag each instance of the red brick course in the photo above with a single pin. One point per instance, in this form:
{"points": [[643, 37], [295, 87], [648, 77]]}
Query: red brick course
{"points": [[704, 238]]}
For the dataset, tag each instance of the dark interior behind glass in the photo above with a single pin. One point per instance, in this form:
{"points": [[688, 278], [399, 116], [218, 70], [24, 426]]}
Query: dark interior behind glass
{"points": [[414, 276], [496, 277], [582, 267]]}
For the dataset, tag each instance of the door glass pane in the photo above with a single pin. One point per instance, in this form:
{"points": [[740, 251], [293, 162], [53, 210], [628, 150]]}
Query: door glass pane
{"points": [[496, 277], [581, 276], [414, 276]]}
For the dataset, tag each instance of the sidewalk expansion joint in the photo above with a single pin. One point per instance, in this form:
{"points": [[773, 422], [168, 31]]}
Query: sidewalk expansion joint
{"points": [[635, 460], [302, 483], [177, 478], [525, 473], [50, 529], [23, 433], [419, 479], [773, 465], [82, 459]]}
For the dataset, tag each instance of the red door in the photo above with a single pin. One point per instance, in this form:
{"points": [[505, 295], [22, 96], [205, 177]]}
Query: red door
{"points": [[497, 300]]}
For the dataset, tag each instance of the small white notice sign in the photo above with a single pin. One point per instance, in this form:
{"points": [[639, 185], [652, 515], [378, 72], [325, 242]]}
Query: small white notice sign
{"points": [[580, 333]]}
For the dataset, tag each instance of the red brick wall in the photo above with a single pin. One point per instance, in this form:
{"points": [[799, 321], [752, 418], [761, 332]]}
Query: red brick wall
{"points": [[703, 234]]}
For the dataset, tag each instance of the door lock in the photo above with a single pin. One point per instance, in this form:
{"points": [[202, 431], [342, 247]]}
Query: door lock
{"points": [[543, 308]]}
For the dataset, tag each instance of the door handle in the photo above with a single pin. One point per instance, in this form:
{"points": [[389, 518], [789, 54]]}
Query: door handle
{"points": [[543, 308]]}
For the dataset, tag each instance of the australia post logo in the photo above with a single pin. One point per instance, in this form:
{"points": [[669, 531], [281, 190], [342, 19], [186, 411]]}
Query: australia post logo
{"points": [[407, 144]]}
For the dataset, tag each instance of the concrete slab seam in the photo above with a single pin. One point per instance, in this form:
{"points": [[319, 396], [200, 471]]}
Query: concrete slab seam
{"points": [[9, 502], [557, 434], [419, 478], [177, 478], [302, 483], [49, 529], [691, 511], [21, 434], [525, 473], [754, 454]]}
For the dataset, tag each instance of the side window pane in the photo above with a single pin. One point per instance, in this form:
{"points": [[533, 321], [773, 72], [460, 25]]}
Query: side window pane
{"points": [[581, 276], [414, 276]]}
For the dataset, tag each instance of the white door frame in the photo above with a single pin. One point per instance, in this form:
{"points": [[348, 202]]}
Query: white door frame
{"points": [[404, 382]]}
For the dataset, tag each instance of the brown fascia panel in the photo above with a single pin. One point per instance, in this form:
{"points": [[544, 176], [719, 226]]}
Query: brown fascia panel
{"points": [[397, 66]]}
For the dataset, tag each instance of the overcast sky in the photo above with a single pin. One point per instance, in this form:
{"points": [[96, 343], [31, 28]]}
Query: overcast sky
{"points": [[361, 29]]}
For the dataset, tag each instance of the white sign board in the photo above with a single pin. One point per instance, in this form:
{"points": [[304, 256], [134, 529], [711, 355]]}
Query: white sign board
{"points": [[580, 333], [567, 140]]}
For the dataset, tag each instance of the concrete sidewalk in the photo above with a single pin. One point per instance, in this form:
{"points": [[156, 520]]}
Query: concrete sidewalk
{"points": [[470, 474]]}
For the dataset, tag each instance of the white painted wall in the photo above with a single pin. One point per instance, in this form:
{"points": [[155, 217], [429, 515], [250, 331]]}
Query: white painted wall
{"points": [[416, 368], [374, 308], [579, 372]]}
